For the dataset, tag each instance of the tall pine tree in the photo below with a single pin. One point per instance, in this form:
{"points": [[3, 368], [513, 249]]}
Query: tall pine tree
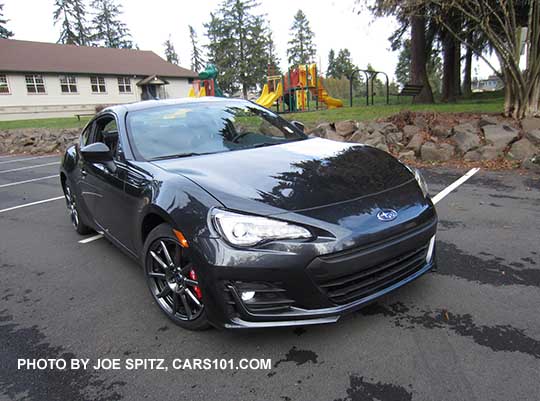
{"points": [[331, 70], [301, 47], [343, 64], [170, 52], [238, 45], [273, 59], [4, 32], [71, 15], [197, 62], [108, 29]]}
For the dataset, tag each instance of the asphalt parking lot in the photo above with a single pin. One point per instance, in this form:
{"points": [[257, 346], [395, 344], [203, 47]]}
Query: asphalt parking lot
{"points": [[470, 331]]}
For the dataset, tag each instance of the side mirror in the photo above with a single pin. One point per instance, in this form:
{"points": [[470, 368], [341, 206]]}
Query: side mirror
{"points": [[299, 125], [98, 152]]}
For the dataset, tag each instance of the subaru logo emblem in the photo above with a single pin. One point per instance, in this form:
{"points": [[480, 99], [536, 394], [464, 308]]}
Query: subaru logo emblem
{"points": [[387, 215]]}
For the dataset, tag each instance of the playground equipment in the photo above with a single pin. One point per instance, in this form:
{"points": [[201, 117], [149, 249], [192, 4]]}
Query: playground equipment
{"points": [[370, 75], [296, 89], [206, 85]]}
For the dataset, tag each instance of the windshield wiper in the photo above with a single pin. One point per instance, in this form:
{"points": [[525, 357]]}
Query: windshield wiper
{"points": [[179, 155]]}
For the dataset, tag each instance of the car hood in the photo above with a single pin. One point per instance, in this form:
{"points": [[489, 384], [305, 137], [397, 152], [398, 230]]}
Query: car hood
{"points": [[290, 177]]}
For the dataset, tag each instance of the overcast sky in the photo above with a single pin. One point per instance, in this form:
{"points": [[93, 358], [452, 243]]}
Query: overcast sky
{"points": [[335, 23]]}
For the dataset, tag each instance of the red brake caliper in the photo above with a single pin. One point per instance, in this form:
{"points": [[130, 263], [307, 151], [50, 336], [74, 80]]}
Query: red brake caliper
{"points": [[196, 288]]}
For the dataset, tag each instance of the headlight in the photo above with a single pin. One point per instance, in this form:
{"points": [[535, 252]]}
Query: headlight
{"points": [[420, 180], [244, 230]]}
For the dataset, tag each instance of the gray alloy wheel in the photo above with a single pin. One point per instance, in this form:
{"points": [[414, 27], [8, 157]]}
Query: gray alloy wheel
{"points": [[172, 279], [73, 212]]}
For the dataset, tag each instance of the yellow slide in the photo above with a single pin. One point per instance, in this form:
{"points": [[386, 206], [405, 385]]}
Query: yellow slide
{"points": [[267, 98], [330, 101]]}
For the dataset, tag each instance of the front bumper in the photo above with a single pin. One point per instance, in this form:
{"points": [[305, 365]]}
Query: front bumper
{"points": [[313, 289]]}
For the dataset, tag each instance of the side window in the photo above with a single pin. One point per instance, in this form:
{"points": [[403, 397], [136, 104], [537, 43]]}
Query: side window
{"points": [[85, 136], [106, 131]]}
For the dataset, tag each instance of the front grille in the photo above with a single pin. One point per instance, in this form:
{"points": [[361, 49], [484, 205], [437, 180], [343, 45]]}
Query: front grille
{"points": [[363, 283]]}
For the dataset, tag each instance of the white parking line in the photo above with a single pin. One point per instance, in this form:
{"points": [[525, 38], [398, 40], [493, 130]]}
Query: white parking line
{"points": [[28, 167], [31, 204], [27, 181], [26, 158], [437, 198], [90, 239]]}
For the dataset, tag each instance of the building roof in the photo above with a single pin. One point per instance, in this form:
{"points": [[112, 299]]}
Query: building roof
{"points": [[26, 56]]}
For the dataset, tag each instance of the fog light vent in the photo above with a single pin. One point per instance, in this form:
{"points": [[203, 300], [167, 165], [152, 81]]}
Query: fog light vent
{"points": [[262, 297]]}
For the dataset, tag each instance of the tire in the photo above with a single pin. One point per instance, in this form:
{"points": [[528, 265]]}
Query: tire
{"points": [[172, 279], [73, 212]]}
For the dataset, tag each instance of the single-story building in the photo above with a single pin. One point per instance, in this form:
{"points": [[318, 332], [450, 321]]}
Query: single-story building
{"points": [[39, 80]]}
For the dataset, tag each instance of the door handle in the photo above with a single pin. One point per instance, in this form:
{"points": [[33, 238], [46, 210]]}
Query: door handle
{"points": [[83, 173]]}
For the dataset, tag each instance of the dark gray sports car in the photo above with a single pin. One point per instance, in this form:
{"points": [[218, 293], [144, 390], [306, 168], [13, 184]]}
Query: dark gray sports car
{"points": [[241, 220]]}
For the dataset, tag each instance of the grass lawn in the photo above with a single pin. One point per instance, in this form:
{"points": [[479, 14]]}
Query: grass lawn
{"points": [[359, 113], [66, 122]]}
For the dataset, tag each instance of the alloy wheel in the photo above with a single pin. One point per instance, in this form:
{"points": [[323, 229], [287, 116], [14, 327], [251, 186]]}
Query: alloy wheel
{"points": [[173, 280], [72, 207]]}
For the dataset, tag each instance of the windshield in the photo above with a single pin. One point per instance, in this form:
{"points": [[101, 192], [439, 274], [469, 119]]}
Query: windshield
{"points": [[203, 128]]}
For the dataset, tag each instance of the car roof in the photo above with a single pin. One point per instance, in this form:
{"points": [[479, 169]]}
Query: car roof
{"points": [[149, 104]]}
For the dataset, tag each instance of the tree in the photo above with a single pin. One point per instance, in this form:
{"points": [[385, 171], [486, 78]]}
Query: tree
{"points": [[411, 14], [343, 64], [238, 45], [197, 62], [108, 29], [502, 24], [331, 70], [403, 66], [170, 52], [273, 59], [71, 14], [301, 47], [4, 32]]}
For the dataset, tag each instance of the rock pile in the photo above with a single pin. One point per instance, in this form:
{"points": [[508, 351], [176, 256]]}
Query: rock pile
{"points": [[37, 140], [444, 137]]}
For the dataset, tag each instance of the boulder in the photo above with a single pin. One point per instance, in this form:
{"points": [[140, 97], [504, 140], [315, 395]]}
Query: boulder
{"points": [[465, 128], [334, 136], [466, 140], [394, 138], [375, 139], [440, 131], [383, 127], [345, 128], [406, 155], [500, 135], [436, 152], [530, 124], [522, 150], [416, 143], [359, 136], [321, 130], [472, 156], [533, 136], [411, 130], [487, 120], [491, 152]]}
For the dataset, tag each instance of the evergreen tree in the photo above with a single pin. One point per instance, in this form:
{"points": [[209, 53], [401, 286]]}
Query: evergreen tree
{"points": [[434, 68], [331, 70], [197, 62], [108, 29], [343, 65], [170, 52], [301, 47], [4, 32], [64, 13], [238, 45], [273, 59]]}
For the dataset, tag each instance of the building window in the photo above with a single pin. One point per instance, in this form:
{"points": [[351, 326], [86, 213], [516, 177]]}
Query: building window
{"points": [[4, 86], [34, 83], [98, 84], [124, 84], [68, 84]]}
